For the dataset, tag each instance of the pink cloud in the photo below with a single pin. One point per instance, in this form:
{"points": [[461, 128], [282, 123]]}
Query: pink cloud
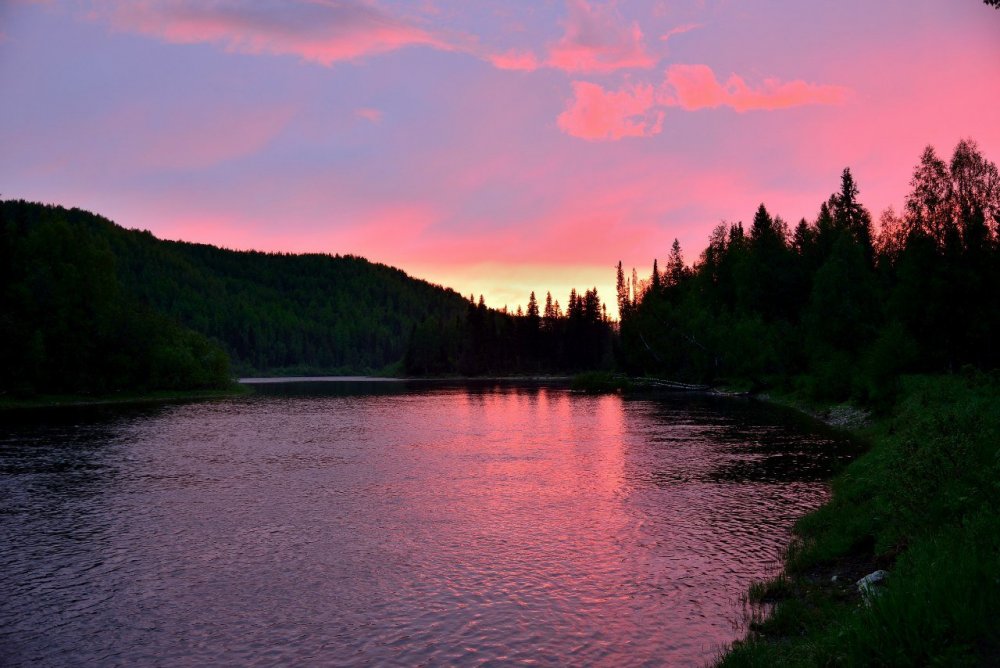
{"points": [[514, 60], [321, 32], [597, 39], [680, 30], [369, 114], [637, 110], [596, 114], [694, 87]]}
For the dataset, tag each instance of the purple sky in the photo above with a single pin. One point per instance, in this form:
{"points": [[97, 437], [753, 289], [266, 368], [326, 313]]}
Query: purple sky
{"points": [[495, 147]]}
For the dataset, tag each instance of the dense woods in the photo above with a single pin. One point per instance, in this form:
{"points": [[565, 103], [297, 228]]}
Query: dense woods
{"points": [[838, 306], [89, 307], [70, 325], [540, 340]]}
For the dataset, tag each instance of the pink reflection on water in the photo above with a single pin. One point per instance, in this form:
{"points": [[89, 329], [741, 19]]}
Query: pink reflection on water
{"points": [[398, 526]]}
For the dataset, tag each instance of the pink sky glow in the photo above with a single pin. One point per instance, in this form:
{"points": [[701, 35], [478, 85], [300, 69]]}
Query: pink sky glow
{"points": [[493, 147]]}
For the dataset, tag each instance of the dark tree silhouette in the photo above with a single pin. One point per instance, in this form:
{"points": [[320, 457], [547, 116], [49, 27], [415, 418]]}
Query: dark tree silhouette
{"points": [[832, 307], [621, 289], [849, 215], [676, 271], [532, 312]]}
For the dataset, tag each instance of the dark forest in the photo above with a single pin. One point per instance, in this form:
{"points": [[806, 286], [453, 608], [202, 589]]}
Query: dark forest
{"points": [[837, 307]]}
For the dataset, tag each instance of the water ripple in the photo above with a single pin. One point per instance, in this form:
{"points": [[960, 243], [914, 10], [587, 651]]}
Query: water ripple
{"points": [[407, 526]]}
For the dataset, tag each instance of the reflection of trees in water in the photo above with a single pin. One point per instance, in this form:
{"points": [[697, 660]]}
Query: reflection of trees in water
{"points": [[361, 388], [738, 441]]}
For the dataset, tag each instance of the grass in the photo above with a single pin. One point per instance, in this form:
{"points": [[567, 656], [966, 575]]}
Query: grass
{"points": [[923, 503], [59, 400]]}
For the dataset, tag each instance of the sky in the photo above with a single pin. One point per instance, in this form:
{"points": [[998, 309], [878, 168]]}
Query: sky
{"points": [[495, 147]]}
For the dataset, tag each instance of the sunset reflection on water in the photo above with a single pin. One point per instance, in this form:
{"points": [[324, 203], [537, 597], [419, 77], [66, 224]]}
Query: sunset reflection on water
{"points": [[402, 524]]}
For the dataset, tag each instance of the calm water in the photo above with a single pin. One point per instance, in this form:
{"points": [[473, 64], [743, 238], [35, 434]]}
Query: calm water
{"points": [[395, 524]]}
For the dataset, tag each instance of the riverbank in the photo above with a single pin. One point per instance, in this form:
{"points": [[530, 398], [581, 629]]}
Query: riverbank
{"points": [[159, 396], [923, 505]]}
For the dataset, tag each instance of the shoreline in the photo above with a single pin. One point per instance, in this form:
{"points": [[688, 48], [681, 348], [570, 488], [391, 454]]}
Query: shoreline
{"points": [[271, 380], [917, 506], [239, 387], [45, 401], [916, 510]]}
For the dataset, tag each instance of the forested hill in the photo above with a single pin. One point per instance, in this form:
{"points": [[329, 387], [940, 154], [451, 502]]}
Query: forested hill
{"points": [[75, 285], [280, 311]]}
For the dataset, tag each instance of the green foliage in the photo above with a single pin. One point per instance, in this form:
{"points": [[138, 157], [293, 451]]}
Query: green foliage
{"points": [[941, 606], [924, 502], [276, 311], [264, 311], [600, 382], [842, 310], [71, 325], [91, 307], [838, 314], [825, 308], [894, 351]]}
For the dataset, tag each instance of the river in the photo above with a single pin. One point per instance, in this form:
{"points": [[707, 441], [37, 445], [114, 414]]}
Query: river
{"points": [[396, 523]]}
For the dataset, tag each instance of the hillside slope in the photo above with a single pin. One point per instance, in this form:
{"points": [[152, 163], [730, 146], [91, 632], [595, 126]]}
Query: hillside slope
{"points": [[268, 311]]}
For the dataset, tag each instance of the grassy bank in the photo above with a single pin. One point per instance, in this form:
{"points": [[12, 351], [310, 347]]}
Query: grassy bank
{"points": [[59, 400], [923, 504]]}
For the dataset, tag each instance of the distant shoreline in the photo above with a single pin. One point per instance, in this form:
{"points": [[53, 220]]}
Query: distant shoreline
{"points": [[78, 401], [240, 387], [400, 379]]}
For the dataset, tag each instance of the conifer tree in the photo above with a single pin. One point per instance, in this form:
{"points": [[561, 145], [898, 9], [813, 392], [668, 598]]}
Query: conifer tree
{"points": [[532, 306], [762, 227], [826, 232], [675, 265], [849, 215], [622, 292], [803, 238], [736, 235]]}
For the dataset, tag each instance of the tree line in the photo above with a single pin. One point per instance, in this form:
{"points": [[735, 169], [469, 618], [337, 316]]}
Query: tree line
{"points": [[539, 340], [90, 307], [838, 305]]}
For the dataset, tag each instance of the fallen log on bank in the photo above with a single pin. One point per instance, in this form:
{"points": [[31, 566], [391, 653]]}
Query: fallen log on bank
{"points": [[670, 385]]}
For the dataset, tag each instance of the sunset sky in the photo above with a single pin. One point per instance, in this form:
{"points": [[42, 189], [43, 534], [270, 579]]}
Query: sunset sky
{"points": [[494, 147]]}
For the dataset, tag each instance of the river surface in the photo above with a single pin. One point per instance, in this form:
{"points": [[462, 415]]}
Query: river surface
{"points": [[396, 524]]}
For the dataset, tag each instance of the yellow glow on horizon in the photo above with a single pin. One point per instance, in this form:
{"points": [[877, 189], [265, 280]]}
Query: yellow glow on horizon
{"points": [[511, 284]]}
